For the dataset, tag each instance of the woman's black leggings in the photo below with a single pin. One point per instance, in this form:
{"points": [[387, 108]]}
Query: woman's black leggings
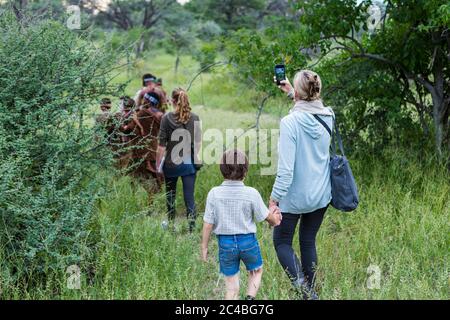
{"points": [[188, 192], [282, 239]]}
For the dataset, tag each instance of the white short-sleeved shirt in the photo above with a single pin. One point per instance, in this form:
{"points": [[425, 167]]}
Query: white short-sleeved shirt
{"points": [[233, 208]]}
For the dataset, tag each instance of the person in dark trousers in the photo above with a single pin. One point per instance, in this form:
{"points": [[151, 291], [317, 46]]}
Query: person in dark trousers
{"points": [[179, 142], [302, 188]]}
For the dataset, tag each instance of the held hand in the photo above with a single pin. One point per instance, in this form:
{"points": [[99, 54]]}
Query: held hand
{"points": [[275, 216], [272, 203], [274, 210], [278, 218]]}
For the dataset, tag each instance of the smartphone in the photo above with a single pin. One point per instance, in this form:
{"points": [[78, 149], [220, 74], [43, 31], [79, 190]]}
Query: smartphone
{"points": [[280, 73]]}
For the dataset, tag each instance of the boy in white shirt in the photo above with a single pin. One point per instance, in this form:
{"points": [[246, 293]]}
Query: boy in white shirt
{"points": [[231, 211]]}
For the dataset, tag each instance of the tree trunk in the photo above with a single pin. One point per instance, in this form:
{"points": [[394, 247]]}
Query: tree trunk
{"points": [[438, 123], [441, 122], [140, 47], [177, 64], [440, 104]]}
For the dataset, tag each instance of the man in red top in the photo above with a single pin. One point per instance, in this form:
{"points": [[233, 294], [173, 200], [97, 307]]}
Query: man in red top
{"points": [[145, 126], [149, 83]]}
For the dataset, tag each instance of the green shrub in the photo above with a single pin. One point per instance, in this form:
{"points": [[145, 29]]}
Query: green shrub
{"points": [[49, 78], [207, 54]]}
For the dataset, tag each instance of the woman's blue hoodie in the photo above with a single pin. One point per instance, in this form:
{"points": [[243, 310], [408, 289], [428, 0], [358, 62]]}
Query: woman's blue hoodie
{"points": [[303, 183]]}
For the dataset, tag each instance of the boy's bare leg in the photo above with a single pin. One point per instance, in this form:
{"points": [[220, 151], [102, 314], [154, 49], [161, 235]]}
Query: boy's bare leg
{"points": [[232, 285], [254, 281]]}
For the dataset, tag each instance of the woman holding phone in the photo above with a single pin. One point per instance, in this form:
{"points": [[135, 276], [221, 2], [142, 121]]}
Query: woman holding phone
{"points": [[179, 143], [302, 189]]}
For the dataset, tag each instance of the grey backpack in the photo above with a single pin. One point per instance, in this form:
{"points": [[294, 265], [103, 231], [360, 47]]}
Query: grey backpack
{"points": [[344, 192]]}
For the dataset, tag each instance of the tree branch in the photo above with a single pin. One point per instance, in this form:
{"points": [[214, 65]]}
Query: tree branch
{"points": [[361, 53], [209, 66]]}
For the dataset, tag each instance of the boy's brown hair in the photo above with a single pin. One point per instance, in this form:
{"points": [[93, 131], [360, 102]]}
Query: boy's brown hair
{"points": [[234, 165]]}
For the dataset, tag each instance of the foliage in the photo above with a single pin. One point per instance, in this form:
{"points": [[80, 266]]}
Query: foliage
{"points": [[132, 13], [397, 228], [255, 58], [229, 14], [48, 9], [57, 208], [207, 55], [209, 30], [177, 33], [398, 67], [49, 77]]}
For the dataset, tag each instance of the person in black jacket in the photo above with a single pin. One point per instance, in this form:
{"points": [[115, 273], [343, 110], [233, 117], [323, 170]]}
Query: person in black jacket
{"points": [[180, 132]]}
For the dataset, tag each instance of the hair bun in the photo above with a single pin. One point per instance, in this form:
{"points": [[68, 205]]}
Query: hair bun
{"points": [[307, 85]]}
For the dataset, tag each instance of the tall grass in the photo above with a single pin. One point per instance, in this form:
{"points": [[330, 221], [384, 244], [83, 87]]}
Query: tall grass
{"points": [[401, 227]]}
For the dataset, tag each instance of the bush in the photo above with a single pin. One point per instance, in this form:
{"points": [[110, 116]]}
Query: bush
{"points": [[206, 55], [49, 78]]}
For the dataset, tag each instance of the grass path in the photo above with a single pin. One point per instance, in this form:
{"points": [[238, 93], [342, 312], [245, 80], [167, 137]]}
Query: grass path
{"points": [[400, 229]]}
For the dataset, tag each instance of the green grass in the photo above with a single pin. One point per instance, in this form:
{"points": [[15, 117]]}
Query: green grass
{"points": [[401, 225]]}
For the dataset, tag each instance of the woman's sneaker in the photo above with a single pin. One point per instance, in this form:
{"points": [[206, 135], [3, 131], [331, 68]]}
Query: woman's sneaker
{"points": [[191, 226], [304, 291]]}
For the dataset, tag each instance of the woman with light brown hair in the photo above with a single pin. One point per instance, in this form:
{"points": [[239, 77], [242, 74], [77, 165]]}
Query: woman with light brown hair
{"points": [[179, 142], [302, 188]]}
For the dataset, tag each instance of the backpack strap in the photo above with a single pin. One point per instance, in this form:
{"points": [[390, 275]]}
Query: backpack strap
{"points": [[333, 134], [339, 139], [323, 123]]}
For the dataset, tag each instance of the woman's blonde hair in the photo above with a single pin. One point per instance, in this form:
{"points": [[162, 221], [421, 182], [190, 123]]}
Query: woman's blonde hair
{"points": [[307, 85], [182, 105]]}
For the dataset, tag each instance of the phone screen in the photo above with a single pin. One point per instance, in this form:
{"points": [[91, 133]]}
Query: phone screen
{"points": [[280, 73]]}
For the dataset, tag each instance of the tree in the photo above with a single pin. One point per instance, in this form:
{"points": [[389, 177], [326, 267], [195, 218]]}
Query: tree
{"points": [[178, 32], [229, 14], [412, 42], [49, 79], [141, 15], [127, 14], [50, 9], [406, 46]]}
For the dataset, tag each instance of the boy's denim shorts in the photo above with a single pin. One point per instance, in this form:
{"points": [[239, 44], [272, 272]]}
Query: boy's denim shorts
{"points": [[234, 248]]}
